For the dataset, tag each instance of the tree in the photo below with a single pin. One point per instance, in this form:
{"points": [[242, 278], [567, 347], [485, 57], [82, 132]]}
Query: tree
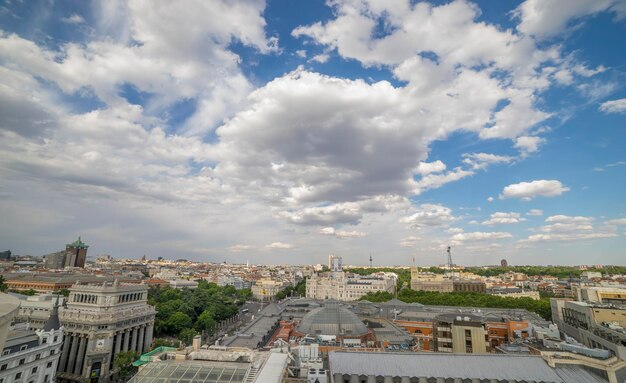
{"points": [[123, 363], [64, 292], [206, 322], [3, 286], [177, 322], [186, 335]]}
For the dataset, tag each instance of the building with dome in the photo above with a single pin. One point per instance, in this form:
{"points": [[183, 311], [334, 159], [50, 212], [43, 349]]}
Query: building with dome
{"points": [[333, 323]]}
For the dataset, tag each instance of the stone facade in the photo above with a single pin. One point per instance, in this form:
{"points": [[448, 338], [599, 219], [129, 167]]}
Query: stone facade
{"points": [[32, 356], [100, 321], [342, 286]]}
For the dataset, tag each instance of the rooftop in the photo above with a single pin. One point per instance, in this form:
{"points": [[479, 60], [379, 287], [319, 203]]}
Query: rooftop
{"points": [[434, 365], [332, 320]]}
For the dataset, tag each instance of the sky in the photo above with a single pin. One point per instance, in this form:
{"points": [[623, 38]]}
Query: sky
{"points": [[284, 131]]}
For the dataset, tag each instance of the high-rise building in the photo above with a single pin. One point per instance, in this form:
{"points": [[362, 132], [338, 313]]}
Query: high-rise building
{"points": [[74, 255], [77, 253], [335, 263], [100, 321]]}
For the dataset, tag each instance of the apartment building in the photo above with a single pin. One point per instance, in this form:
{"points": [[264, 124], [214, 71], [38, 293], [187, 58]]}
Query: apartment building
{"points": [[32, 356], [595, 325]]}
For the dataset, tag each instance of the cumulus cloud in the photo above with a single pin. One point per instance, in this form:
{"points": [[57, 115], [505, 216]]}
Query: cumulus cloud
{"points": [[544, 19], [341, 234], [528, 144], [429, 215], [279, 245], [490, 199], [570, 228], [480, 236], [529, 190], [483, 160], [239, 248], [425, 168], [500, 218], [73, 19], [618, 221], [614, 106], [410, 241]]}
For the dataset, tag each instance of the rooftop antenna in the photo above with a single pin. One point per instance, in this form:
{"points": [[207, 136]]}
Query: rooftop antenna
{"points": [[449, 251], [370, 260]]}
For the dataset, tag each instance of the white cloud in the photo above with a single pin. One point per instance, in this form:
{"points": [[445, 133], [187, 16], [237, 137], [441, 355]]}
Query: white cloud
{"points": [[279, 245], [410, 241], [570, 228], [425, 168], [614, 106], [483, 160], [341, 234], [489, 199], [434, 181], [73, 19], [568, 219], [480, 236], [618, 221], [321, 58], [429, 215], [528, 144], [529, 190], [545, 19], [535, 212], [301, 53], [500, 218], [239, 248]]}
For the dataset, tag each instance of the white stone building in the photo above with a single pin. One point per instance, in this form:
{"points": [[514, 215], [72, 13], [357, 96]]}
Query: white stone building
{"points": [[32, 356], [344, 286], [101, 320]]}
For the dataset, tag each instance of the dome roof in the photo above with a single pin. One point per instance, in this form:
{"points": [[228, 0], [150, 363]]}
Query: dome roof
{"points": [[332, 320]]}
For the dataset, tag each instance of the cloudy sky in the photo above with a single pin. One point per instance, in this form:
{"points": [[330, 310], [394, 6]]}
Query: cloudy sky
{"points": [[284, 131]]}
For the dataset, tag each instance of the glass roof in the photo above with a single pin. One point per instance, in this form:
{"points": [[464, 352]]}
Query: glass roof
{"points": [[209, 372]]}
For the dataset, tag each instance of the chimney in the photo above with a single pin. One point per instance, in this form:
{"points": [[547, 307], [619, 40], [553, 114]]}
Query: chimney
{"points": [[197, 342]]}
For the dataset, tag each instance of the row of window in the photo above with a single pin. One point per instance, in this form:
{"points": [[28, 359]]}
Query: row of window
{"points": [[46, 379], [22, 361]]}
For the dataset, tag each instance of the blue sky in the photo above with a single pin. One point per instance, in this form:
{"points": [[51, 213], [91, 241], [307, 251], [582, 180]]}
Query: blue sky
{"points": [[282, 131]]}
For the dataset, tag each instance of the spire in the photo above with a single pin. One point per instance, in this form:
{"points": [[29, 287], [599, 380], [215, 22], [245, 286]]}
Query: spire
{"points": [[53, 322]]}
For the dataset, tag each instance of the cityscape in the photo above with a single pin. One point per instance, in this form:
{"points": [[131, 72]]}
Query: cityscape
{"points": [[323, 191]]}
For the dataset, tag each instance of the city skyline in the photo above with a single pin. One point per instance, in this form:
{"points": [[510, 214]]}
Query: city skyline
{"points": [[280, 132]]}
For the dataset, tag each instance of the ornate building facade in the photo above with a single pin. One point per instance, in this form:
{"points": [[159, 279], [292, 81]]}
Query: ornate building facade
{"points": [[100, 321]]}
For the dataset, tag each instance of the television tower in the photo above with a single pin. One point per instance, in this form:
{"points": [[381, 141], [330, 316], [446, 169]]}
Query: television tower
{"points": [[370, 260], [449, 258]]}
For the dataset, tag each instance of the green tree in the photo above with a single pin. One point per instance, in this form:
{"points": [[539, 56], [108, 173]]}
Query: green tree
{"points": [[123, 363], [206, 322], [64, 292], [177, 322], [3, 286], [186, 335]]}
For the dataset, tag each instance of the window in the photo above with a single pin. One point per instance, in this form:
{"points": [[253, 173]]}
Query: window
{"points": [[6, 352], [45, 379], [18, 375], [23, 347], [55, 338], [34, 369], [22, 361], [3, 367], [49, 365], [38, 356], [44, 340]]}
